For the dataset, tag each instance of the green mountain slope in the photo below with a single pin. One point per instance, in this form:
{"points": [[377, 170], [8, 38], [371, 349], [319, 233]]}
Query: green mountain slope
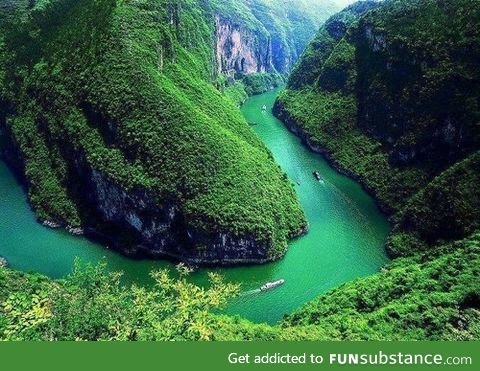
{"points": [[113, 121], [390, 91], [388, 100]]}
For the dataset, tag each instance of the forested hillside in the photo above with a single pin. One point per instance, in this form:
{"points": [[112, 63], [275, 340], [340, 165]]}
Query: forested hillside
{"points": [[110, 116], [390, 91], [115, 115]]}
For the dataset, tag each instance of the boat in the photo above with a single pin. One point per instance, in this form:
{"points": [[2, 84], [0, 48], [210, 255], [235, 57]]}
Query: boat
{"points": [[317, 176], [264, 108], [272, 285]]}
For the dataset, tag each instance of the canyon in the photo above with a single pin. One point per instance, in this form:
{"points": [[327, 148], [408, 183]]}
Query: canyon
{"points": [[134, 135], [112, 171]]}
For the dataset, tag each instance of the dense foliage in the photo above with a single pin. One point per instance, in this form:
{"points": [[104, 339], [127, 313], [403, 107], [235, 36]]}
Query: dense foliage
{"points": [[91, 304], [124, 88], [391, 92], [426, 297]]}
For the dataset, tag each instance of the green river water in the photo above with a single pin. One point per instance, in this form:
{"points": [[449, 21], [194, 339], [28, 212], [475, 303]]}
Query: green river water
{"points": [[345, 241]]}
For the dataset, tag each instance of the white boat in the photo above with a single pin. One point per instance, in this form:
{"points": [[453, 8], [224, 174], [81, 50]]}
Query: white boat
{"points": [[272, 285], [264, 108]]}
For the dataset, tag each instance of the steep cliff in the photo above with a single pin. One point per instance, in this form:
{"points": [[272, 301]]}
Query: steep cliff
{"points": [[109, 114], [240, 50], [390, 92], [258, 41]]}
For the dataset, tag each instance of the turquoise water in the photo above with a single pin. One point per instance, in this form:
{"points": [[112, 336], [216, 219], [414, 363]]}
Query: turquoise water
{"points": [[346, 238]]}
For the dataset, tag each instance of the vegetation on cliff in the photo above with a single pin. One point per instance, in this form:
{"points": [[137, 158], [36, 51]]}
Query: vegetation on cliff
{"points": [[395, 103], [123, 88], [389, 91]]}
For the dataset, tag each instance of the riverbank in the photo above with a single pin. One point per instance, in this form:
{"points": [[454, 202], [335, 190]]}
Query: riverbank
{"points": [[345, 241], [283, 115]]}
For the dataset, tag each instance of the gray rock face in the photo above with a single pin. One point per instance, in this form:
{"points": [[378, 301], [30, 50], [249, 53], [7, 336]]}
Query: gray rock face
{"points": [[238, 50], [135, 223], [139, 225], [376, 40], [132, 213]]}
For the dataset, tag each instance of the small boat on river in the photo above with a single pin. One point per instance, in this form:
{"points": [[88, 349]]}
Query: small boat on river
{"points": [[317, 176], [272, 285], [264, 108]]}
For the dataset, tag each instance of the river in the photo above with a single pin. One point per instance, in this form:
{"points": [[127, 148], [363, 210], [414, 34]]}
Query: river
{"points": [[346, 238]]}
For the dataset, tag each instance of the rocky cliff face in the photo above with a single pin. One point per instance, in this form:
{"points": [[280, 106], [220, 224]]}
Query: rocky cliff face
{"points": [[266, 36], [239, 50], [133, 223]]}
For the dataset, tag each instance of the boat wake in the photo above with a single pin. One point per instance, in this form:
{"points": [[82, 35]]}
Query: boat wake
{"points": [[265, 287]]}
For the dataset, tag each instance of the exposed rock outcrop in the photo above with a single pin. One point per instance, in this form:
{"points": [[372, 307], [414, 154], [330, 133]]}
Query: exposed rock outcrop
{"points": [[137, 225], [257, 36], [239, 50]]}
